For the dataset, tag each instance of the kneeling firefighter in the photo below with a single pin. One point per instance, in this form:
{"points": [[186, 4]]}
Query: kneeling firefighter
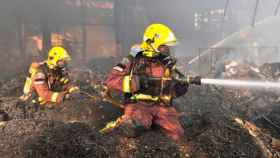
{"points": [[48, 81], [149, 80]]}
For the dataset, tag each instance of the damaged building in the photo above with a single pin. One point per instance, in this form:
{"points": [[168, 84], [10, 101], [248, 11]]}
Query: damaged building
{"points": [[221, 40]]}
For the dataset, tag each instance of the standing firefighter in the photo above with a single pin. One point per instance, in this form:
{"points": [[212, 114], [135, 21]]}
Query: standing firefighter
{"points": [[48, 81], [149, 80]]}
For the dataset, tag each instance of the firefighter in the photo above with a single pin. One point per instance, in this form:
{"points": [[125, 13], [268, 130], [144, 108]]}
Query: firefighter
{"points": [[48, 81], [149, 80]]}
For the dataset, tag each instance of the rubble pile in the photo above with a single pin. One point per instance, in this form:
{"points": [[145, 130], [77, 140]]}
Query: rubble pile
{"points": [[71, 130], [260, 107]]}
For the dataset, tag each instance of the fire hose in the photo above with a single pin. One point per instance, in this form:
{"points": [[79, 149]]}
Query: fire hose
{"points": [[106, 98], [105, 92]]}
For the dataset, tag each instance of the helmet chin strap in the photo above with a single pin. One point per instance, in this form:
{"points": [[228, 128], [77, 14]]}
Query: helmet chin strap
{"points": [[149, 42]]}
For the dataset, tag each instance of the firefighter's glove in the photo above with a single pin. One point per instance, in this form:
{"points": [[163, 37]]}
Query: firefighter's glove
{"points": [[72, 93], [180, 87], [195, 80], [72, 96], [104, 91], [74, 89], [24, 97]]}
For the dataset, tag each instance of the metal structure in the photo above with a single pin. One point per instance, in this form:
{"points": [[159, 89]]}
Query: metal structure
{"points": [[216, 57], [255, 13], [224, 17], [277, 8]]}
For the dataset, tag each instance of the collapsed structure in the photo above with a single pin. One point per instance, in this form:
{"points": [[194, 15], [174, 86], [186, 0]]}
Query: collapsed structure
{"points": [[226, 122]]}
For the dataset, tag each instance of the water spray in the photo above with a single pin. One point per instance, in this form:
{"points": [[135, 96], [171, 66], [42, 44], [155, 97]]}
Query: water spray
{"points": [[241, 83]]}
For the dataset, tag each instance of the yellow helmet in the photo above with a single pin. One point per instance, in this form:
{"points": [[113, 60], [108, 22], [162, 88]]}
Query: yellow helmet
{"points": [[57, 54], [156, 35]]}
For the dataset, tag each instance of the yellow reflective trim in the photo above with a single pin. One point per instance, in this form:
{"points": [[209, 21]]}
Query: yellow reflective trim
{"points": [[32, 70], [43, 102], [111, 125], [166, 98], [167, 73], [54, 97], [144, 97], [62, 79], [66, 81], [149, 53], [73, 89], [126, 84], [27, 85], [40, 99], [188, 79]]}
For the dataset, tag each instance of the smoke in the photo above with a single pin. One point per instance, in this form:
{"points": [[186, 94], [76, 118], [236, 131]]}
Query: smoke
{"points": [[255, 45], [180, 16], [130, 19]]}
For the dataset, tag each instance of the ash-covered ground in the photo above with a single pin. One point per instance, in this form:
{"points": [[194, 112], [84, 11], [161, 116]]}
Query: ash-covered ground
{"points": [[225, 123]]}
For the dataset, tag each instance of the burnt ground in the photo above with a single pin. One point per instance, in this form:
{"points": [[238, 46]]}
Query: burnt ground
{"points": [[71, 129]]}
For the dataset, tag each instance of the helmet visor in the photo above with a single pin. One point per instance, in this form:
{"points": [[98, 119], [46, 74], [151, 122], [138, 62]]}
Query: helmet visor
{"points": [[172, 43]]}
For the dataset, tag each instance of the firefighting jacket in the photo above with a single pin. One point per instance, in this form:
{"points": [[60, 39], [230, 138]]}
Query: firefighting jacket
{"points": [[125, 77], [48, 85]]}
